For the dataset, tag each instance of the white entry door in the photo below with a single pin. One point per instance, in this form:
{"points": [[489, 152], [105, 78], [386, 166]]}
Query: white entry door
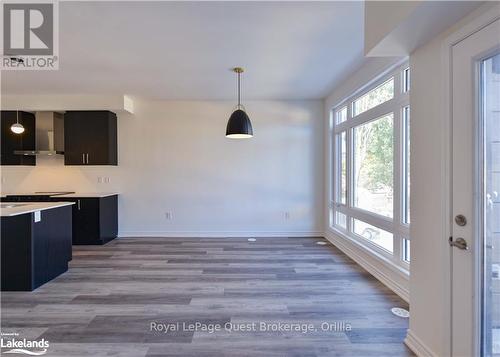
{"points": [[475, 241]]}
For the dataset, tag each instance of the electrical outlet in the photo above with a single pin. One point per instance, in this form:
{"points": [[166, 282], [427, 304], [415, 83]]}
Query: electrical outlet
{"points": [[168, 215], [287, 215]]}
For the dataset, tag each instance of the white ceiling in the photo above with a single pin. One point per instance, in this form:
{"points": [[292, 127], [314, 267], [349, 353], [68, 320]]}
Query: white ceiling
{"points": [[184, 50]]}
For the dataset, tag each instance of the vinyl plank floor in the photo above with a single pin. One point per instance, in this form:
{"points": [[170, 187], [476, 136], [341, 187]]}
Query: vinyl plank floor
{"points": [[273, 297]]}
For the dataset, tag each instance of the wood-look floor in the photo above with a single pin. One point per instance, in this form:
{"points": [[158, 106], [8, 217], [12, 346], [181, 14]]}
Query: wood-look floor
{"points": [[105, 304]]}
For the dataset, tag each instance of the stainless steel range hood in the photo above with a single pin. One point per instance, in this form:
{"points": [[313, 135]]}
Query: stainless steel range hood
{"points": [[49, 135]]}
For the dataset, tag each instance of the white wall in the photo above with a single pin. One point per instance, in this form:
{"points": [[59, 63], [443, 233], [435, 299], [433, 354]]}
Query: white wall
{"points": [[382, 17], [174, 157], [397, 28], [428, 281]]}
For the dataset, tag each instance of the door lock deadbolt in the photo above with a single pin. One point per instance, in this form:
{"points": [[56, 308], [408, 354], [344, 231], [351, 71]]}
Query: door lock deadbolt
{"points": [[460, 220]]}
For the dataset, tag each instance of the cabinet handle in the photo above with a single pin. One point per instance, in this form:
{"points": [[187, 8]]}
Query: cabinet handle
{"points": [[87, 158], [78, 201], [83, 158]]}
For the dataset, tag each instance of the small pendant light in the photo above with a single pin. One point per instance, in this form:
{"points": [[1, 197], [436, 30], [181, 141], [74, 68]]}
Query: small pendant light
{"points": [[17, 128], [239, 125]]}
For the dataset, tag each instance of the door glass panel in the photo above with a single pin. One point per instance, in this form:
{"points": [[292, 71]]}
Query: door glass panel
{"points": [[491, 208]]}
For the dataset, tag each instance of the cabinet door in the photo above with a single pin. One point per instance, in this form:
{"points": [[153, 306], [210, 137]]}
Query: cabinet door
{"points": [[94, 137], [102, 142], [86, 221], [74, 150], [12, 142], [108, 216], [112, 139], [97, 136]]}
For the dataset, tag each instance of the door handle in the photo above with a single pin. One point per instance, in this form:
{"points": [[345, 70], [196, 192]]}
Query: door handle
{"points": [[459, 243]]}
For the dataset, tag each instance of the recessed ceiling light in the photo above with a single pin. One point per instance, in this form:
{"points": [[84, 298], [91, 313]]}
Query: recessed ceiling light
{"points": [[251, 239], [321, 243]]}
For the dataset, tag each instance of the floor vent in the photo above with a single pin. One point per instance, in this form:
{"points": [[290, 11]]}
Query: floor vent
{"points": [[398, 311]]}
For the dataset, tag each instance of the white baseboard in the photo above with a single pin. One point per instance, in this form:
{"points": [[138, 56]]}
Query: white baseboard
{"points": [[223, 234], [385, 272], [417, 346]]}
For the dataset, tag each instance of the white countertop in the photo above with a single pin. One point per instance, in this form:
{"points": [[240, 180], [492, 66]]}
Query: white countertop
{"points": [[8, 209], [89, 194], [69, 195]]}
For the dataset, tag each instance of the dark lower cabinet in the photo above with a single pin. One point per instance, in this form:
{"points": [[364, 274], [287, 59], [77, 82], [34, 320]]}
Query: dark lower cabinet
{"points": [[95, 219], [11, 142], [34, 253]]}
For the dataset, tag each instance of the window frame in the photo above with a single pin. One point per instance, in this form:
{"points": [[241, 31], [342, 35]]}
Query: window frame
{"points": [[396, 225]]}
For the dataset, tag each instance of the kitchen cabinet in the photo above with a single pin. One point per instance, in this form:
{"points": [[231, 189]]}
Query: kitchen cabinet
{"points": [[12, 142], [95, 216], [35, 251], [90, 138], [95, 219]]}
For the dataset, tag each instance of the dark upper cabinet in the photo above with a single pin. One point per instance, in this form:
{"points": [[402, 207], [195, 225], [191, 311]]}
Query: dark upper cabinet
{"points": [[90, 138], [12, 142]]}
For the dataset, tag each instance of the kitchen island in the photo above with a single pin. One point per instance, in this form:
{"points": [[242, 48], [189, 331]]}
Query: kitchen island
{"points": [[36, 243], [95, 215]]}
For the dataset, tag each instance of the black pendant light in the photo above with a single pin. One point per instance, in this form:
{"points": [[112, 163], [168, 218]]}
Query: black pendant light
{"points": [[239, 125]]}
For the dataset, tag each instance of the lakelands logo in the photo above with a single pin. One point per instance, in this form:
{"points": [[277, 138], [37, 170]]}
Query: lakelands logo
{"points": [[10, 343], [30, 35]]}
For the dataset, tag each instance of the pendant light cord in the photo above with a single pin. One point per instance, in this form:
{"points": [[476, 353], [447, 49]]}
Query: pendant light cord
{"points": [[239, 90], [17, 116]]}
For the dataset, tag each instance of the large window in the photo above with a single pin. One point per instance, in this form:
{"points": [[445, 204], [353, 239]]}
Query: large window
{"points": [[371, 166]]}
